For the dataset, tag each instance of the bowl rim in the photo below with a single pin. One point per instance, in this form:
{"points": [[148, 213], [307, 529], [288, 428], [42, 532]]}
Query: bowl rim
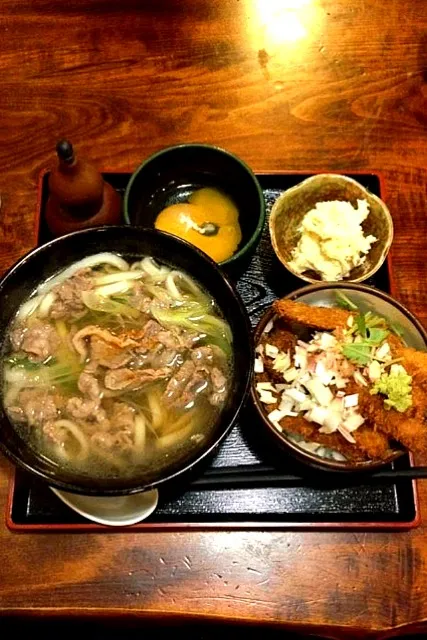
{"points": [[311, 459], [195, 145], [339, 177], [203, 454]]}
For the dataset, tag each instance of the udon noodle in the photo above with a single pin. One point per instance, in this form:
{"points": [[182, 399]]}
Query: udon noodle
{"points": [[113, 368]]}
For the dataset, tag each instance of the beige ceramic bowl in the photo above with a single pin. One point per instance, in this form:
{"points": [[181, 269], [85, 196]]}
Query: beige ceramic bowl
{"points": [[290, 208]]}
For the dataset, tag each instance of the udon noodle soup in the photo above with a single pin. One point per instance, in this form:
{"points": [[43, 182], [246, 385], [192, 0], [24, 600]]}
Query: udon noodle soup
{"points": [[114, 368]]}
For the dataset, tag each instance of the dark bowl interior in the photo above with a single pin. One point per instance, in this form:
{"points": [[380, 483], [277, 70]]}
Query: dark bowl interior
{"points": [[131, 243], [173, 174]]}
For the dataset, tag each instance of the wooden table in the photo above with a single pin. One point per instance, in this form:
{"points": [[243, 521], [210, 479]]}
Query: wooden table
{"points": [[308, 84]]}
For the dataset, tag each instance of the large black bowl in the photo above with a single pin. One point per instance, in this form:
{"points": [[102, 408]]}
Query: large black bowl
{"points": [[132, 243]]}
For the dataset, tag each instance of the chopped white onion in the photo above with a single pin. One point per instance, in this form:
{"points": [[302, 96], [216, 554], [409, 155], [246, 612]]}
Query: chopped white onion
{"points": [[374, 370], [383, 351], [353, 422], [341, 383], [323, 395], [300, 357], [306, 405], [286, 405], [290, 375], [282, 362], [271, 350], [351, 401], [317, 414], [395, 369], [326, 376], [327, 341], [276, 415], [281, 387], [331, 422], [315, 388], [265, 386], [359, 379], [259, 365], [337, 405], [295, 395], [266, 397]]}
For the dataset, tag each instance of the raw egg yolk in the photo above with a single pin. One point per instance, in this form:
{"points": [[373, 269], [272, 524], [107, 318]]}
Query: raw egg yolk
{"points": [[209, 220]]}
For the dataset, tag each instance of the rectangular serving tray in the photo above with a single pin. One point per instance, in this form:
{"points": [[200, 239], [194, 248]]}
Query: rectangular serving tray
{"points": [[258, 498]]}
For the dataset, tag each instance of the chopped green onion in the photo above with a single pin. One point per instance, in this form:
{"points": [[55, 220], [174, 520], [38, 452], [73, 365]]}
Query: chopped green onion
{"points": [[344, 302]]}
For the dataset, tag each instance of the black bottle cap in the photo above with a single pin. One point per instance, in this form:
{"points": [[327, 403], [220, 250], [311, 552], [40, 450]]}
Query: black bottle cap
{"points": [[65, 151]]}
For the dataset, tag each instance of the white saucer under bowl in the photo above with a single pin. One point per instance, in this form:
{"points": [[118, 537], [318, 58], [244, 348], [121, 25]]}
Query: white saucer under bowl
{"points": [[116, 511]]}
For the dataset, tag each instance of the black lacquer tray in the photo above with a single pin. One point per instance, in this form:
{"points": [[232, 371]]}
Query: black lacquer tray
{"points": [[245, 486]]}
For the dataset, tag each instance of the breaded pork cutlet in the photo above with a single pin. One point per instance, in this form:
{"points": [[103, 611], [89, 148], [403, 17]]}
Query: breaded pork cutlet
{"points": [[415, 362], [369, 445], [284, 340], [280, 337], [373, 442], [310, 432], [411, 432], [319, 318]]}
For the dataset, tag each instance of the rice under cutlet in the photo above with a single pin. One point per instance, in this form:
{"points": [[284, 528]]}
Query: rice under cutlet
{"points": [[320, 318]]}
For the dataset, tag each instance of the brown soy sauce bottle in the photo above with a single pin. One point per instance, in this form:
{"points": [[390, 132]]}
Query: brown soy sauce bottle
{"points": [[78, 196]]}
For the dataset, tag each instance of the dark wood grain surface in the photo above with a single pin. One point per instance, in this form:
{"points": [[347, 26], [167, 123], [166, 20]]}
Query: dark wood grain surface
{"points": [[309, 84]]}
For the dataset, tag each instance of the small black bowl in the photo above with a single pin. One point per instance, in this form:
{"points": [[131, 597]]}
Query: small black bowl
{"points": [[132, 243], [171, 175]]}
